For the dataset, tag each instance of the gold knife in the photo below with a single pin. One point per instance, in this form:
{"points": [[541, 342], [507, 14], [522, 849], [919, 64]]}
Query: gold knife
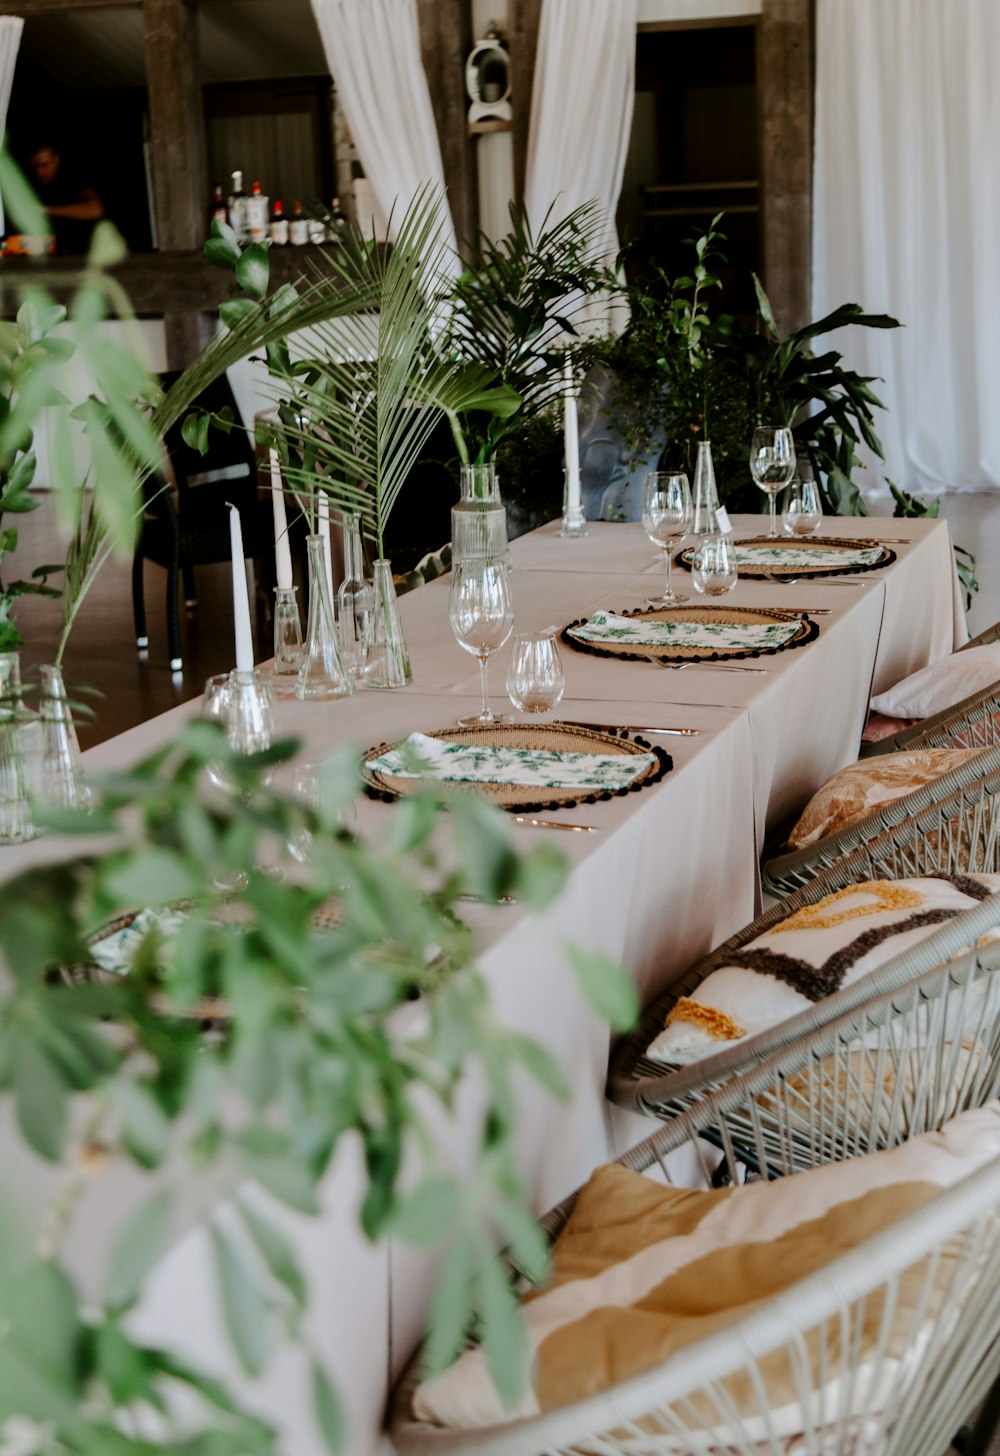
{"points": [[554, 824], [633, 728]]}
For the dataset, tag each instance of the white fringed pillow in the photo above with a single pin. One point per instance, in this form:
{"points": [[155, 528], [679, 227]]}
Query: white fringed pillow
{"points": [[817, 950], [942, 684]]}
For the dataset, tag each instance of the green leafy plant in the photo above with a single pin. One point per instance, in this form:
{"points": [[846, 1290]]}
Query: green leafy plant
{"points": [[516, 308], [255, 1038]]}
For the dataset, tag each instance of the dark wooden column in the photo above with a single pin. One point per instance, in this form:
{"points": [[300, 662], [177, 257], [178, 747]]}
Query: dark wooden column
{"points": [[178, 145], [785, 91], [523, 19], [445, 42]]}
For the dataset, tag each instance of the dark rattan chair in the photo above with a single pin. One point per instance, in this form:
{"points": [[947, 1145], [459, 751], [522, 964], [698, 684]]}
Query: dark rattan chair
{"points": [[188, 525]]}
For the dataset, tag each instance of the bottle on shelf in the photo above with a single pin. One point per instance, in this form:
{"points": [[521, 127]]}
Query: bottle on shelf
{"points": [[217, 209], [337, 221], [279, 224], [256, 210], [298, 231], [237, 208]]}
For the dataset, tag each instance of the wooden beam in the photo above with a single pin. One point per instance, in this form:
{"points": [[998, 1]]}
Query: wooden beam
{"points": [[445, 42], [180, 174], [785, 46], [523, 20], [50, 7]]}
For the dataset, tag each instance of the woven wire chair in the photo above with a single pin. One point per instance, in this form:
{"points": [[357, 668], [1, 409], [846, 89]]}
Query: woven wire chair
{"points": [[870, 1078], [964, 796], [970, 723], [953, 837]]}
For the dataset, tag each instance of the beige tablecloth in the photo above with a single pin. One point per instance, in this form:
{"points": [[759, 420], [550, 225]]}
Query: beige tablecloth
{"points": [[670, 874]]}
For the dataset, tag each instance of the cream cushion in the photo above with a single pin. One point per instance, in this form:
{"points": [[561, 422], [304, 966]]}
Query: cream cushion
{"points": [[942, 684], [863, 786], [642, 1271], [817, 950]]}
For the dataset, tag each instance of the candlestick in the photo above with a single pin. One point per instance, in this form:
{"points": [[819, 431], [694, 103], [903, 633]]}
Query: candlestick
{"points": [[282, 554], [574, 522], [241, 600], [324, 531]]}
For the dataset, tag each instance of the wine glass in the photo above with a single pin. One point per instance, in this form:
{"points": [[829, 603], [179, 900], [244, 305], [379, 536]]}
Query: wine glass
{"points": [[772, 463], [535, 682], [803, 511], [713, 566], [666, 518], [482, 617]]}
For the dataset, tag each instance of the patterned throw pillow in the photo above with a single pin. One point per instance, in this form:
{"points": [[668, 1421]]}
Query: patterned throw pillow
{"points": [[942, 685], [642, 1272], [873, 781], [812, 953]]}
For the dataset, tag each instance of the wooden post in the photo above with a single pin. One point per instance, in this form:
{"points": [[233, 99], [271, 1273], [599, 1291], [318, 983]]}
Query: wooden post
{"points": [[180, 179], [523, 20], [785, 45], [445, 42]]}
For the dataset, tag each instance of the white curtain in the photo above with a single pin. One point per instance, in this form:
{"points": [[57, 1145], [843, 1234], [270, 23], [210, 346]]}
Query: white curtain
{"points": [[10, 39], [581, 109], [907, 222], [373, 51]]}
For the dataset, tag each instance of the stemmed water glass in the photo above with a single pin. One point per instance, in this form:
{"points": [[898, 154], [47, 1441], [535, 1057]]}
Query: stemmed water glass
{"points": [[666, 519], [772, 464], [482, 617]]}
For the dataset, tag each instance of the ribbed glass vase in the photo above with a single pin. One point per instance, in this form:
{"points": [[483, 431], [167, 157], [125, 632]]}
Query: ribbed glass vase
{"points": [[322, 675], [62, 782]]}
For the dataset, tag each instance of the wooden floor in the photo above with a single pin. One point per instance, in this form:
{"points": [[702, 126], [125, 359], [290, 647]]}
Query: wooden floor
{"points": [[102, 649]]}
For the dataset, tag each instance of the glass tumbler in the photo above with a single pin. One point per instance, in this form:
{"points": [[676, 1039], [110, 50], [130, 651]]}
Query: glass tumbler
{"points": [[802, 513], [535, 682], [713, 566]]}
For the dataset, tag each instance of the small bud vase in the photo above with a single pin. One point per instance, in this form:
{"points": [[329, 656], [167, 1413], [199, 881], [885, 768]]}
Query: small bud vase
{"points": [[322, 674], [19, 751], [62, 782], [287, 631], [388, 658]]}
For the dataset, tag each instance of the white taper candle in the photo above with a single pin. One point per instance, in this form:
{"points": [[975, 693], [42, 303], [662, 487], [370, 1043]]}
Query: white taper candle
{"points": [[571, 435], [241, 599], [282, 554], [324, 531]]}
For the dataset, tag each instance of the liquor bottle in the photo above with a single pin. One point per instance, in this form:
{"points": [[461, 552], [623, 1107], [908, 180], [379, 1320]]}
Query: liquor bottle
{"points": [[298, 231], [256, 211], [237, 208], [279, 225], [217, 211], [337, 221]]}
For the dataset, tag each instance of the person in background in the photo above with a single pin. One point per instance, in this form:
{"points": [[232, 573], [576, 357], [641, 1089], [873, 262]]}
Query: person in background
{"points": [[73, 206]]}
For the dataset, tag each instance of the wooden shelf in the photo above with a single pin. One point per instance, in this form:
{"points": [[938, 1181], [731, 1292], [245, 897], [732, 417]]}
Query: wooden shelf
{"points": [[701, 186]]}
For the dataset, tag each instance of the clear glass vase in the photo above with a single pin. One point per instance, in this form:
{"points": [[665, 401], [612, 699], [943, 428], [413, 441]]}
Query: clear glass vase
{"points": [[322, 674], [20, 746], [287, 631], [479, 520], [62, 782], [354, 603], [705, 517], [388, 658]]}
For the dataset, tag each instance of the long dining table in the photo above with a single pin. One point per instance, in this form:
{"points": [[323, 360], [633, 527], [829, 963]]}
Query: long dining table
{"points": [[669, 873]]}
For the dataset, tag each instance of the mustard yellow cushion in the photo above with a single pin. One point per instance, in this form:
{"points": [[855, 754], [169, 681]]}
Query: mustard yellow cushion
{"points": [[642, 1271], [863, 786]]}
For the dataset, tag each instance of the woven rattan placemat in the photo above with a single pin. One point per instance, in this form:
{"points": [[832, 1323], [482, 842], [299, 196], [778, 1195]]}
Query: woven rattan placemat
{"points": [[536, 737], [806, 631], [847, 547]]}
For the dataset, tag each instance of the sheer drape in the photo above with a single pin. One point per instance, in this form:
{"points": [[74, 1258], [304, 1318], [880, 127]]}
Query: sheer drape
{"points": [[581, 109], [372, 48], [10, 39], [907, 222]]}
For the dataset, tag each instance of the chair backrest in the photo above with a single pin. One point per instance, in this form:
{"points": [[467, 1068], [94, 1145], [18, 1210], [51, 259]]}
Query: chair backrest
{"points": [[936, 841], [873, 1077], [975, 782], [971, 723], [230, 457]]}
